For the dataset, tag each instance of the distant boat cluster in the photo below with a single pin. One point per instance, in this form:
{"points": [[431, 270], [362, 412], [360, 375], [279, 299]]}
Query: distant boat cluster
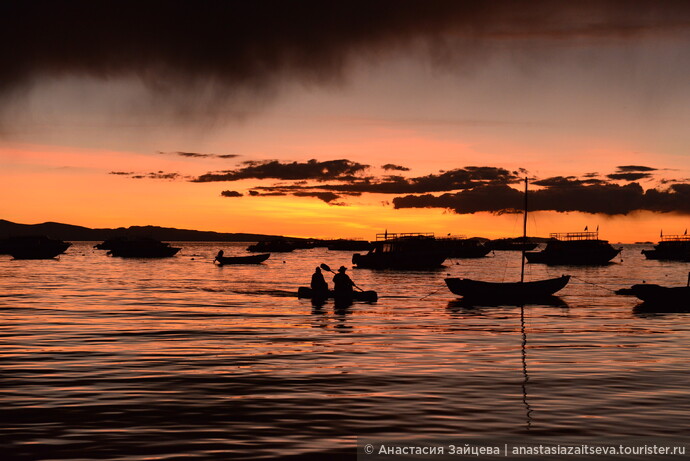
{"points": [[409, 251]]}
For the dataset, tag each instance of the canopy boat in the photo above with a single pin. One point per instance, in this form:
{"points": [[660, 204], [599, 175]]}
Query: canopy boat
{"points": [[671, 247], [461, 247], [349, 245], [513, 244], [33, 247], [141, 248], [513, 293], [254, 259], [402, 251], [272, 246], [308, 293], [575, 248]]}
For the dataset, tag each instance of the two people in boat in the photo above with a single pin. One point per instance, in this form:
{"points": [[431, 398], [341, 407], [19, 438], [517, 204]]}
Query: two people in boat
{"points": [[342, 283]]}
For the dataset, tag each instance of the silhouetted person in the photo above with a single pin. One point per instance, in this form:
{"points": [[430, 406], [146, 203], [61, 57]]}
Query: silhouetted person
{"points": [[219, 255], [342, 283], [318, 283]]}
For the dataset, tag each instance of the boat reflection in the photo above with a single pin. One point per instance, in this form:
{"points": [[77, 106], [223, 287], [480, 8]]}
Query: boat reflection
{"points": [[468, 303], [649, 309], [525, 379]]}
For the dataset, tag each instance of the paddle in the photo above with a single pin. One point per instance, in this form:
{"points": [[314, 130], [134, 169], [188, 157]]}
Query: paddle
{"points": [[326, 268]]}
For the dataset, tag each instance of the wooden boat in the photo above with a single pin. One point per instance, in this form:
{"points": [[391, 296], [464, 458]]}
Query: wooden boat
{"points": [[142, 248], [402, 251], [349, 245], [513, 244], [308, 293], [254, 259], [34, 247], [659, 295], [513, 293], [575, 248], [671, 248], [460, 247], [272, 246]]}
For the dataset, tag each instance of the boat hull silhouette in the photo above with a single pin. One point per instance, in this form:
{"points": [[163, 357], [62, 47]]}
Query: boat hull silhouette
{"points": [[670, 248], [512, 292], [34, 247], [308, 293], [142, 248], [580, 253], [254, 259], [659, 296]]}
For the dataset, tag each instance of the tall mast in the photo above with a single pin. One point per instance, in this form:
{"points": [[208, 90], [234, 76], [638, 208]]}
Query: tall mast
{"points": [[524, 237]]}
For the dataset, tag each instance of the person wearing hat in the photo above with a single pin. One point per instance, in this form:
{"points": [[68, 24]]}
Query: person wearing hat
{"points": [[342, 283]]}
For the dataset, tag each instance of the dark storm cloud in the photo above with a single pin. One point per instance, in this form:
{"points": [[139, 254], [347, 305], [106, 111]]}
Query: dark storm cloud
{"points": [[628, 176], [197, 155], [634, 169], [255, 193], [461, 178], [609, 199], [391, 166], [567, 181], [174, 46], [327, 197], [274, 169], [230, 193], [153, 175]]}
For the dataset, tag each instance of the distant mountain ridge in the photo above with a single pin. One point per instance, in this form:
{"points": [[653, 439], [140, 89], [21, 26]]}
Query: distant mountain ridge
{"points": [[70, 232]]}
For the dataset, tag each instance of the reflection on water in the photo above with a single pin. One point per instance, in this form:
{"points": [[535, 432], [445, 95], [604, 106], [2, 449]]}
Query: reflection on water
{"points": [[131, 359]]}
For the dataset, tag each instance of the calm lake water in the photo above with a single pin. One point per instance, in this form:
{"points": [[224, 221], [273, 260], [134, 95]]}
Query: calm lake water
{"points": [[108, 358]]}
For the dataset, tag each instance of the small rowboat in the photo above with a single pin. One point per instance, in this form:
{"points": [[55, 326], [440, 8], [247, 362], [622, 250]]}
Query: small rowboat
{"points": [[254, 259], [660, 296], [515, 292], [308, 293]]}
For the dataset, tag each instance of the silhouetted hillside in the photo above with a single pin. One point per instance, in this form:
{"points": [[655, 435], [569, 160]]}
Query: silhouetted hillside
{"points": [[70, 232]]}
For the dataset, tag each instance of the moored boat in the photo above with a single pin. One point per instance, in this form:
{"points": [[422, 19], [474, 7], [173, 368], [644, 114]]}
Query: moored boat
{"points": [[141, 248], [272, 246], [33, 247], [512, 293], [513, 244], [659, 295], [670, 248], [253, 259], [574, 248], [461, 247], [348, 245], [402, 251], [308, 293]]}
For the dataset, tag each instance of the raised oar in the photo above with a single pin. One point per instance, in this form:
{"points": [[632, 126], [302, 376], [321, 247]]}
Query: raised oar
{"points": [[326, 268]]}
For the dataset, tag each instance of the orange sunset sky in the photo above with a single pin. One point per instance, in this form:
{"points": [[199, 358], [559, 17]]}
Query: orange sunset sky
{"points": [[348, 119]]}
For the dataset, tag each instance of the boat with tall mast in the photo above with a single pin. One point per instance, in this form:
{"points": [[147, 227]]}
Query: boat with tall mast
{"points": [[508, 292]]}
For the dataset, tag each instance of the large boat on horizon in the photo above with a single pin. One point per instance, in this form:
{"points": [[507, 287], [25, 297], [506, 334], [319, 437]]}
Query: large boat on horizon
{"points": [[142, 247], [402, 251], [574, 248], [513, 244], [33, 247], [671, 248], [462, 247]]}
